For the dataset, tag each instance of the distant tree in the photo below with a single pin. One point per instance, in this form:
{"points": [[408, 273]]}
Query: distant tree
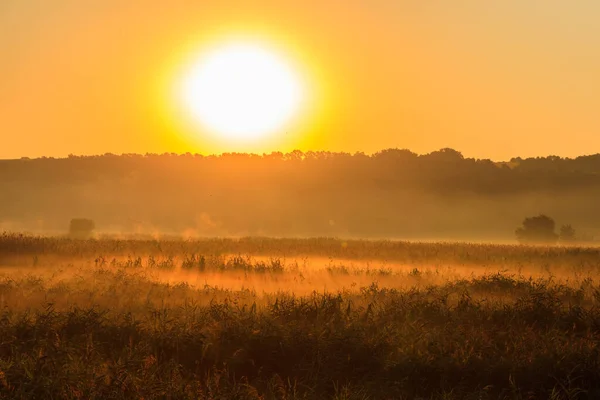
{"points": [[538, 229], [81, 228], [444, 155], [567, 234]]}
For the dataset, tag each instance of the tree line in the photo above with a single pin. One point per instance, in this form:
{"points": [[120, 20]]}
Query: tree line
{"points": [[392, 193], [442, 170]]}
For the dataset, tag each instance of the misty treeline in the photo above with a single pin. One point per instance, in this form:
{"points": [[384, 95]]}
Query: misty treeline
{"points": [[393, 193]]}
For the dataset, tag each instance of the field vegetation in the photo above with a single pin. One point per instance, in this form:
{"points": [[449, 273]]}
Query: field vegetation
{"points": [[260, 318]]}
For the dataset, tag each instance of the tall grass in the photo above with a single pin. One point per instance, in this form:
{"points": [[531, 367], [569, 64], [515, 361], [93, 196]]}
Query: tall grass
{"points": [[131, 321]]}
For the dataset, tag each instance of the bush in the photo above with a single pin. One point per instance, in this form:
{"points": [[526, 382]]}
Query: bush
{"points": [[81, 228], [537, 230], [567, 234]]}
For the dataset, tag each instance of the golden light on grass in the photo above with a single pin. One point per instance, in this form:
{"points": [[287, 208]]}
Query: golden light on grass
{"points": [[241, 92]]}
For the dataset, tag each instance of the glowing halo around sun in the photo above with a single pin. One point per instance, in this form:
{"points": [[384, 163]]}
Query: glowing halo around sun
{"points": [[241, 92]]}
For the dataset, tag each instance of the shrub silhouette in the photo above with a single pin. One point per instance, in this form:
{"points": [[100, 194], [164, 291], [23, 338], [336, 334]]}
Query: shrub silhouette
{"points": [[81, 227], [538, 230], [567, 234]]}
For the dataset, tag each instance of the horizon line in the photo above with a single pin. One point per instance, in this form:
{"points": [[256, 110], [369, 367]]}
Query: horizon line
{"points": [[225, 153]]}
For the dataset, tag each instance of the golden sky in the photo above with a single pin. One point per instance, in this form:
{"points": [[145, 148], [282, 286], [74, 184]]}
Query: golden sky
{"points": [[493, 79]]}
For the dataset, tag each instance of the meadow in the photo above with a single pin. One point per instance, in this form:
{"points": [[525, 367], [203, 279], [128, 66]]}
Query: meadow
{"points": [[266, 318]]}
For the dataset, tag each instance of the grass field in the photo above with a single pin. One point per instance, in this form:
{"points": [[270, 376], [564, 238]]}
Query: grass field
{"points": [[260, 318]]}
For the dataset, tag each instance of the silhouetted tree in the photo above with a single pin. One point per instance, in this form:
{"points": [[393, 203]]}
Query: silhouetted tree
{"points": [[81, 228], [567, 234], [538, 229]]}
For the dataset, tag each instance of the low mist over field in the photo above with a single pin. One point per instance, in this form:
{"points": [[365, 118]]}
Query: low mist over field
{"points": [[391, 194], [260, 318]]}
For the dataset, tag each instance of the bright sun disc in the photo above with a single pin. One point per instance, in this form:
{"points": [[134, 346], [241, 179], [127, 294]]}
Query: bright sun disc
{"points": [[242, 92]]}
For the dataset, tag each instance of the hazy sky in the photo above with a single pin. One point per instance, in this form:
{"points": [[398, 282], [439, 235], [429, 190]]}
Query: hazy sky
{"points": [[492, 79]]}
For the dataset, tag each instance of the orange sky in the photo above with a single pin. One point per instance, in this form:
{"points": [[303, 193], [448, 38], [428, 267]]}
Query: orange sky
{"points": [[492, 79]]}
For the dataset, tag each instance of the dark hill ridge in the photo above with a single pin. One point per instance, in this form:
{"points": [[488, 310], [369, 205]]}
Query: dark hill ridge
{"points": [[393, 193]]}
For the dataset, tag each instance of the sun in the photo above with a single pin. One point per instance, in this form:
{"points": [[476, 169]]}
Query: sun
{"points": [[241, 91]]}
